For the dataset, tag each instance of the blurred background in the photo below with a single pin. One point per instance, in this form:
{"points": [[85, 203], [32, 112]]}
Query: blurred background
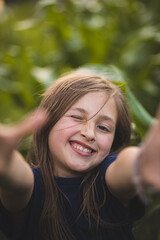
{"points": [[40, 40]]}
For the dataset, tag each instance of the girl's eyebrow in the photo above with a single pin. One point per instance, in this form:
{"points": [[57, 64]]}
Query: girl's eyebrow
{"points": [[101, 117], [82, 110], [106, 118]]}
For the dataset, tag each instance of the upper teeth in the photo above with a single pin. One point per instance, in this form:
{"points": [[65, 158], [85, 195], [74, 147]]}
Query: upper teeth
{"points": [[82, 148]]}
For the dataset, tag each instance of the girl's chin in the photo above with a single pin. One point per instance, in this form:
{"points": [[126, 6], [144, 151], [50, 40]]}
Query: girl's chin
{"points": [[80, 170], [72, 171]]}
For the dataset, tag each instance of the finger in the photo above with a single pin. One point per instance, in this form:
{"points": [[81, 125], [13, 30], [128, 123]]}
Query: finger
{"points": [[30, 124]]}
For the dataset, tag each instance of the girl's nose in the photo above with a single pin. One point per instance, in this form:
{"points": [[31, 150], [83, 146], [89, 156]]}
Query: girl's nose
{"points": [[88, 132]]}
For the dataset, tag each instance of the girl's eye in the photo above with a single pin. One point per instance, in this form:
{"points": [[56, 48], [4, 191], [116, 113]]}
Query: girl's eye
{"points": [[76, 117], [103, 128]]}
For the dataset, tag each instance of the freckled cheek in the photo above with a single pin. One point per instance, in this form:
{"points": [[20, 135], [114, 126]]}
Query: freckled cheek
{"points": [[56, 141], [105, 144], [59, 136], [62, 135]]}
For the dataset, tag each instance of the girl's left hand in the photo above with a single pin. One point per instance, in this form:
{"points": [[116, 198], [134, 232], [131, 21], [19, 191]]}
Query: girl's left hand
{"points": [[150, 157]]}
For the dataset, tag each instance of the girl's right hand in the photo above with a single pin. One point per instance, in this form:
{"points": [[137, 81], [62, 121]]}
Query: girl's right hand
{"points": [[11, 136]]}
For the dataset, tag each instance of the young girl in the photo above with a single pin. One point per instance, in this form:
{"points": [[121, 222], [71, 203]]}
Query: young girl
{"points": [[82, 180]]}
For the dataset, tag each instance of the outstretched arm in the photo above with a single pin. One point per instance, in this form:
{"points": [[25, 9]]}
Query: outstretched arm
{"points": [[16, 177], [137, 164]]}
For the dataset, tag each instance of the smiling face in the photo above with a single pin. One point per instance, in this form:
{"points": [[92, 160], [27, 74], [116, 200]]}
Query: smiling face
{"points": [[83, 136]]}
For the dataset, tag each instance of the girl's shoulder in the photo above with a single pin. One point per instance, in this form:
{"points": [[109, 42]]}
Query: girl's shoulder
{"points": [[107, 162], [38, 190], [36, 171]]}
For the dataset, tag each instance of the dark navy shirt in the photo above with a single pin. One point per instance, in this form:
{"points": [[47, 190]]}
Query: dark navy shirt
{"points": [[118, 217]]}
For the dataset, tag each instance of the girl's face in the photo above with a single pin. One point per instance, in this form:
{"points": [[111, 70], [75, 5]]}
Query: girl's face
{"points": [[83, 136]]}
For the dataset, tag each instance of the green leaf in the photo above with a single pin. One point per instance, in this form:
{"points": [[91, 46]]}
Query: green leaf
{"points": [[141, 117]]}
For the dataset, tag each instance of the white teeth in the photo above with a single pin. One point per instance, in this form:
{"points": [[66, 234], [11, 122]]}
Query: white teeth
{"points": [[86, 150], [81, 148]]}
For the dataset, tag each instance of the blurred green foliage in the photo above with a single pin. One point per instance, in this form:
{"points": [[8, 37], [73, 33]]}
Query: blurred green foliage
{"points": [[41, 40]]}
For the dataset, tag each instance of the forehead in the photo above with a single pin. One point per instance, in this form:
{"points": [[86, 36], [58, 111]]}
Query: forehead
{"points": [[95, 98]]}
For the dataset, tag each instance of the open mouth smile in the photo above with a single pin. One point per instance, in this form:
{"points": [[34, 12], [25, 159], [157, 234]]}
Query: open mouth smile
{"points": [[78, 147]]}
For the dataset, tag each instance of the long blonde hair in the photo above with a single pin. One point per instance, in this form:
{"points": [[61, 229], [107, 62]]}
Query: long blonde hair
{"points": [[57, 100]]}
